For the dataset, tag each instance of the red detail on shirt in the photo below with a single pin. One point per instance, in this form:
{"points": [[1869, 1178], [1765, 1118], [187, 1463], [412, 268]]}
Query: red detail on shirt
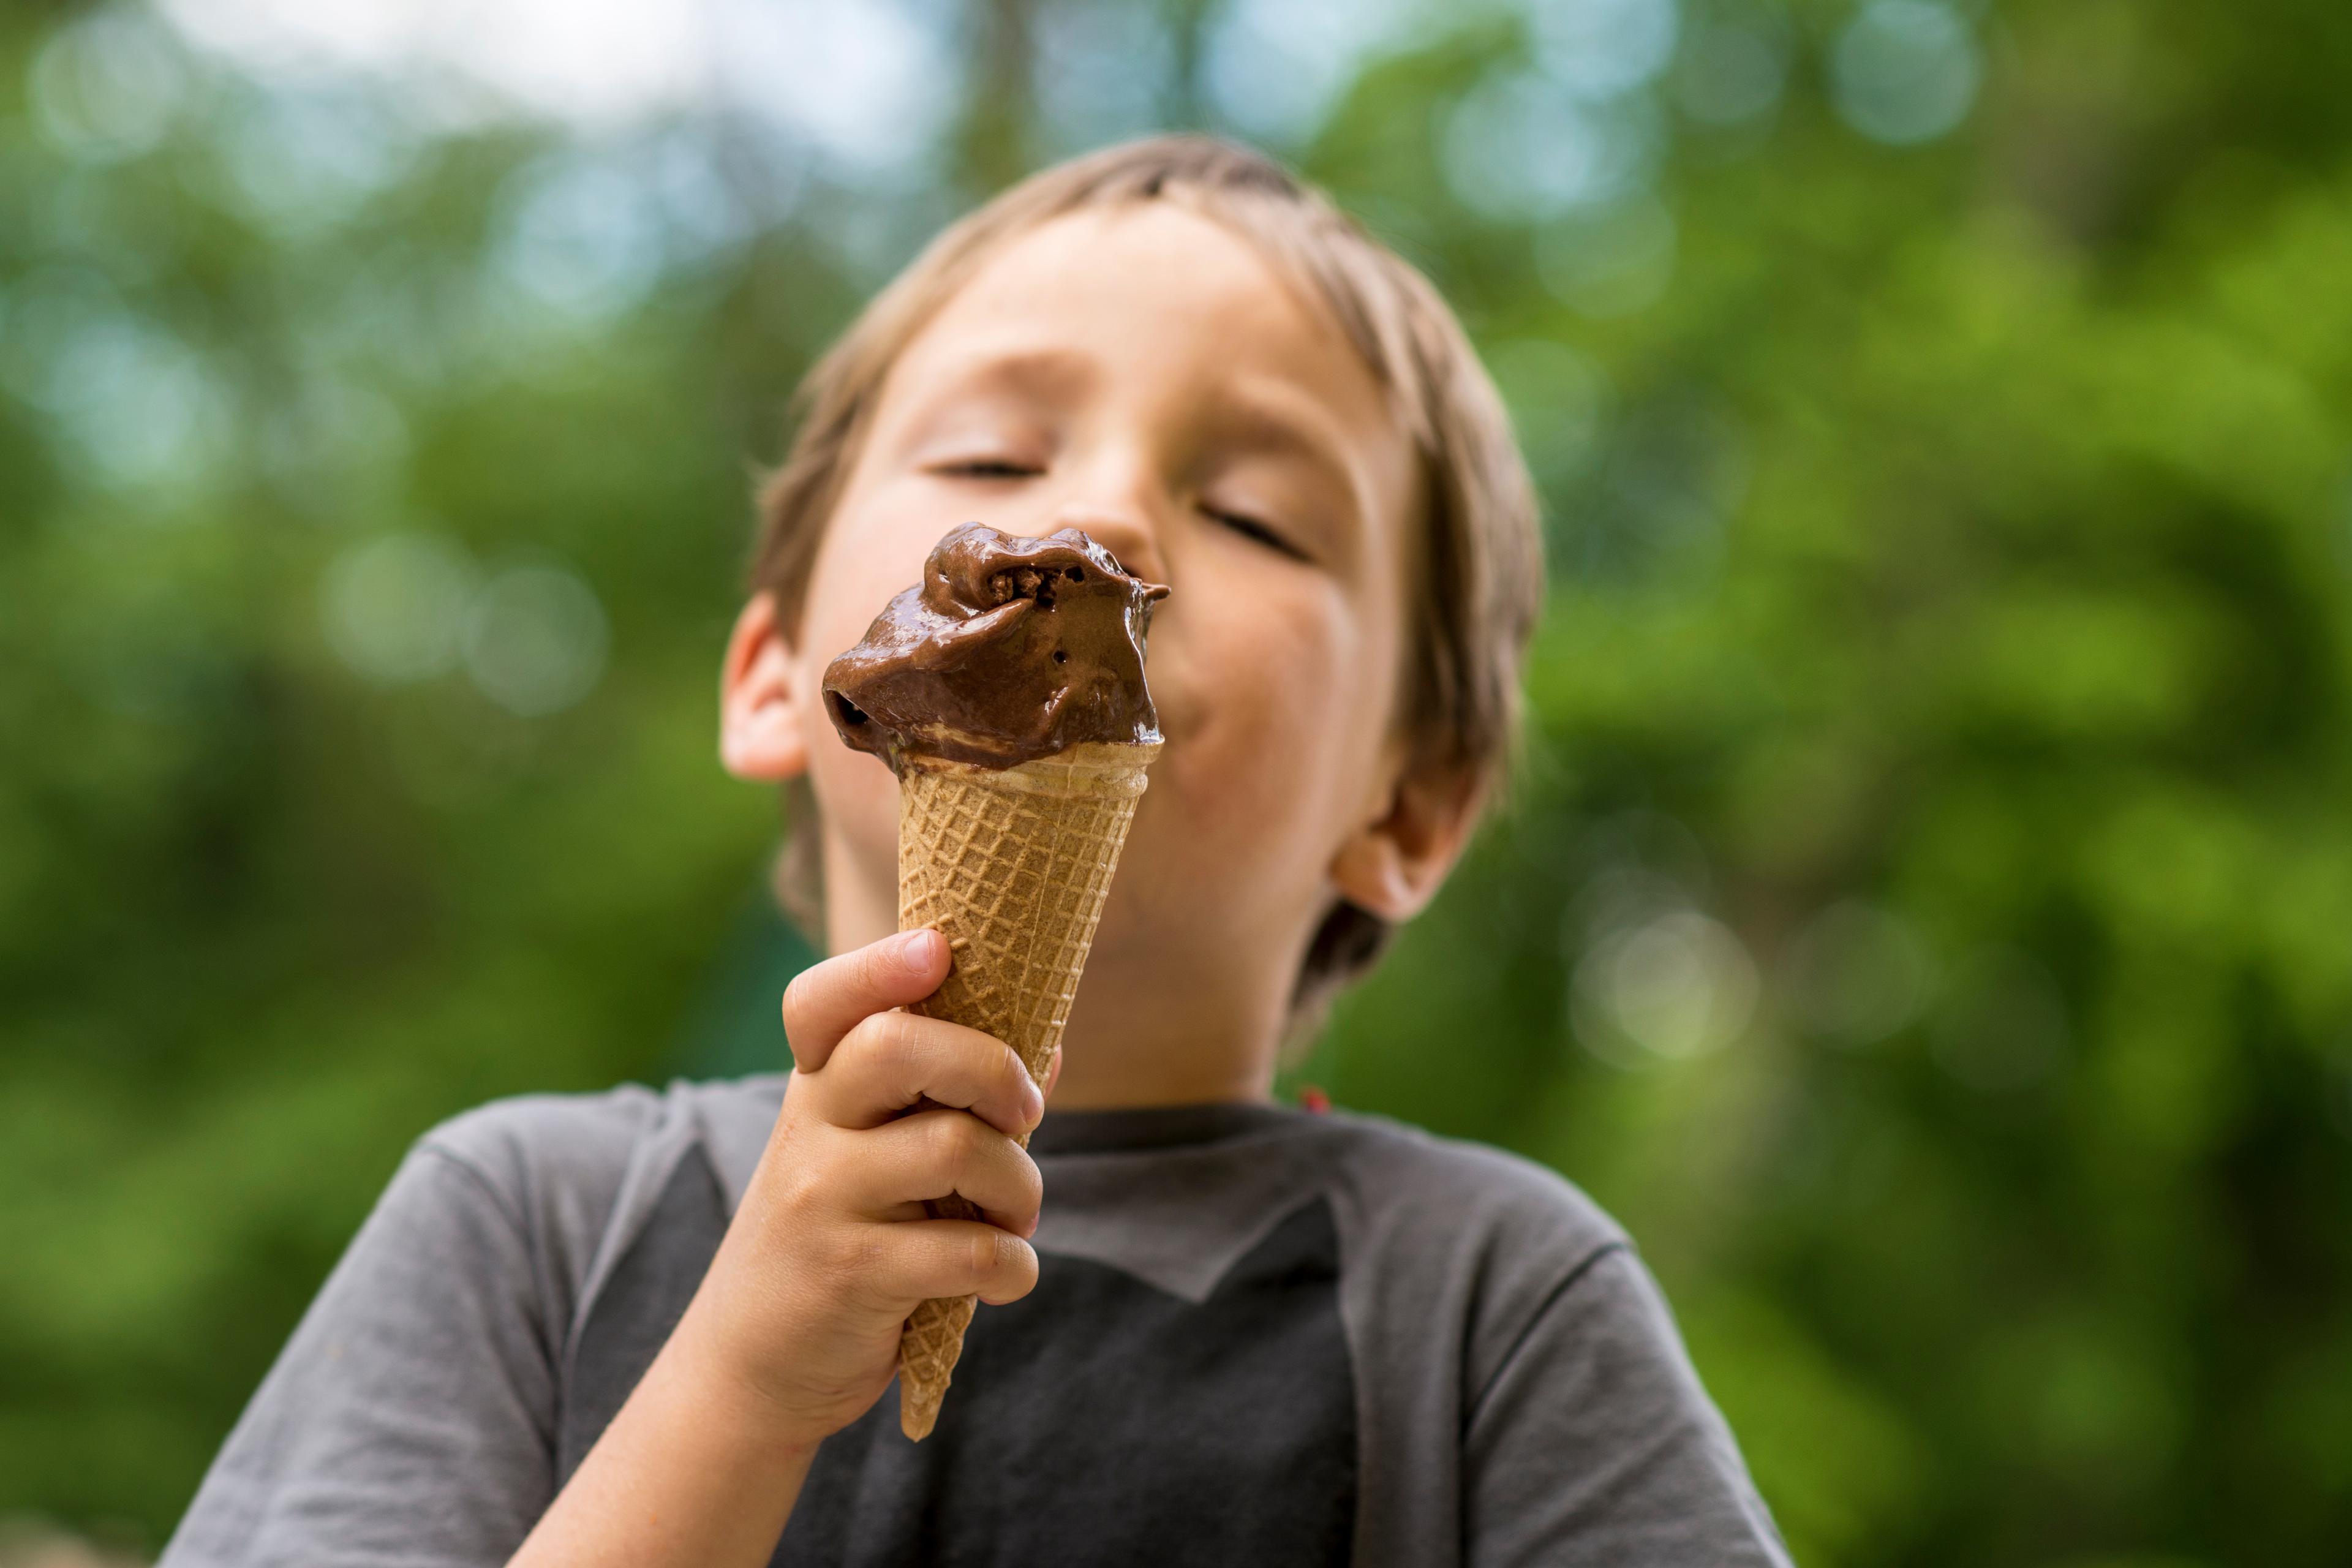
{"points": [[1312, 1100]]}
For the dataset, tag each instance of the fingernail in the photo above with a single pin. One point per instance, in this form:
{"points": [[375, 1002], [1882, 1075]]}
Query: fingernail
{"points": [[1033, 1103], [914, 948]]}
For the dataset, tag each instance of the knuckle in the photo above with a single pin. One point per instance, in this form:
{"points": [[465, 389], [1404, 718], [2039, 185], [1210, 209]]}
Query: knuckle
{"points": [[865, 1254], [876, 1037], [861, 1256], [971, 1058], [866, 1275], [900, 1041], [795, 1194], [857, 1039], [832, 1258], [954, 1141]]}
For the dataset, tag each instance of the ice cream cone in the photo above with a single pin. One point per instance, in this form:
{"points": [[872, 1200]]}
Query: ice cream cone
{"points": [[1012, 865]]}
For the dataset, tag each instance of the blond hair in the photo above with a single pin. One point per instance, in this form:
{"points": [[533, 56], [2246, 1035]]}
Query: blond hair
{"points": [[1481, 576]]}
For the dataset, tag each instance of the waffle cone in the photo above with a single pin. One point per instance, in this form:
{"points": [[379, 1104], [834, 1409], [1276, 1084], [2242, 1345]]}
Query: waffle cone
{"points": [[1012, 865]]}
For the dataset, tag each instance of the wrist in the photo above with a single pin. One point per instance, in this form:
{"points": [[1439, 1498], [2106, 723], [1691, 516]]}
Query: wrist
{"points": [[725, 1391]]}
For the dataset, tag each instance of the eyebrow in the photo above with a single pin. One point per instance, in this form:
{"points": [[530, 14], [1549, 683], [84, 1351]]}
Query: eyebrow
{"points": [[1038, 372]]}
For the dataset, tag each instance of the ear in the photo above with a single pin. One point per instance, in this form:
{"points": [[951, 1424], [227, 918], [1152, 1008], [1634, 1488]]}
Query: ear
{"points": [[1393, 865], [760, 735]]}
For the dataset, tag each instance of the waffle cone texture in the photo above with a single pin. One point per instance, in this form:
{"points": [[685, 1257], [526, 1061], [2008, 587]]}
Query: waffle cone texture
{"points": [[1012, 865]]}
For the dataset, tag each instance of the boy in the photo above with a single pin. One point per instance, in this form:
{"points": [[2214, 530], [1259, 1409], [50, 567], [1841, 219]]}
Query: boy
{"points": [[658, 1329]]}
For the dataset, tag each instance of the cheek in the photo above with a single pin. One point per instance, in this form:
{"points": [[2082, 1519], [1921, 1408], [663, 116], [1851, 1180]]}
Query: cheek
{"points": [[1273, 711], [874, 546], [858, 796], [855, 792], [867, 556]]}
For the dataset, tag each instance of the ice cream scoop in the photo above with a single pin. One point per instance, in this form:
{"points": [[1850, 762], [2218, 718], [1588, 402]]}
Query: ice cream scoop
{"points": [[1009, 651]]}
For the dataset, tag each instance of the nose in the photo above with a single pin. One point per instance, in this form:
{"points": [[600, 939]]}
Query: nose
{"points": [[1121, 529]]}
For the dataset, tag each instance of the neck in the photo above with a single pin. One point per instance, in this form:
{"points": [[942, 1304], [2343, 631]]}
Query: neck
{"points": [[1134, 1042]]}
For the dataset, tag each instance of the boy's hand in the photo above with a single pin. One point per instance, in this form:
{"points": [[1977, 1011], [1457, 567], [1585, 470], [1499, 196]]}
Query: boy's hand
{"points": [[831, 1247]]}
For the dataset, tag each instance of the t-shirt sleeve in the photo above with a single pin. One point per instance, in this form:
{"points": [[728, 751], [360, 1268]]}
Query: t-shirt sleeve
{"points": [[409, 1421], [1593, 1442]]}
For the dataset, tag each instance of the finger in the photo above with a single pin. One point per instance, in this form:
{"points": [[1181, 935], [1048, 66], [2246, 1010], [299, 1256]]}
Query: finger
{"points": [[927, 1258], [933, 1153], [826, 1000], [1053, 1072], [892, 1061]]}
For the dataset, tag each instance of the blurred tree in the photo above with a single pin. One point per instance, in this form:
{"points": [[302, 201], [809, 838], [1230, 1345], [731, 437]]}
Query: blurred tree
{"points": [[1923, 916]]}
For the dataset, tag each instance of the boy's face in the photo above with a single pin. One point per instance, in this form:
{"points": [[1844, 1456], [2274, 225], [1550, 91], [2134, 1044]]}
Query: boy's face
{"points": [[1142, 374]]}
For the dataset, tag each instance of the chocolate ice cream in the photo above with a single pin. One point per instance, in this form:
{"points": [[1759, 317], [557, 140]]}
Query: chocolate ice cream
{"points": [[1011, 649]]}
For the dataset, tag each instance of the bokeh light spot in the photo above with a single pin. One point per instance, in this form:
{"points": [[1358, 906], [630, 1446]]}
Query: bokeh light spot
{"points": [[393, 605], [1520, 145], [1599, 48], [108, 86], [134, 400], [583, 238], [535, 639], [1905, 71], [1274, 68], [305, 161], [1733, 73], [1103, 71], [1678, 986], [870, 85]]}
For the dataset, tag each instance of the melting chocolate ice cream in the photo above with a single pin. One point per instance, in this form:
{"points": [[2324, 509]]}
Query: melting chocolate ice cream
{"points": [[1011, 649]]}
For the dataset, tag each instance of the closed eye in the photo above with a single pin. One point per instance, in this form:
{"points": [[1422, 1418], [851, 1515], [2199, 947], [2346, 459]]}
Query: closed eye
{"points": [[988, 469], [1251, 527]]}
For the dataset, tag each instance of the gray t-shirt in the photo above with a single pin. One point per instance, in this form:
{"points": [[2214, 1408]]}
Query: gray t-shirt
{"points": [[1258, 1336]]}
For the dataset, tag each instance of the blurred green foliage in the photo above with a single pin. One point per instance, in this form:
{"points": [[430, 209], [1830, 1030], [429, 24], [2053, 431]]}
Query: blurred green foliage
{"points": [[1925, 916]]}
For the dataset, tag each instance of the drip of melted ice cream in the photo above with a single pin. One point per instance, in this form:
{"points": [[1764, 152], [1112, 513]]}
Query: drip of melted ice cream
{"points": [[1010, 649]]}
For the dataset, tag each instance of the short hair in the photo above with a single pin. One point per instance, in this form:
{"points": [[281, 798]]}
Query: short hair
{"points": [[1481, 574]]}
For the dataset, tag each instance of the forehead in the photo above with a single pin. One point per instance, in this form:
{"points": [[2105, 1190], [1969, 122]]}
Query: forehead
{"points": [[1152, 287]]}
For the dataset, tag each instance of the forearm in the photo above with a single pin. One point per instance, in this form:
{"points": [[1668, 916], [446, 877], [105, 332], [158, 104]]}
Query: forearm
{"points": [[698, 1468], [794, 1330]]}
